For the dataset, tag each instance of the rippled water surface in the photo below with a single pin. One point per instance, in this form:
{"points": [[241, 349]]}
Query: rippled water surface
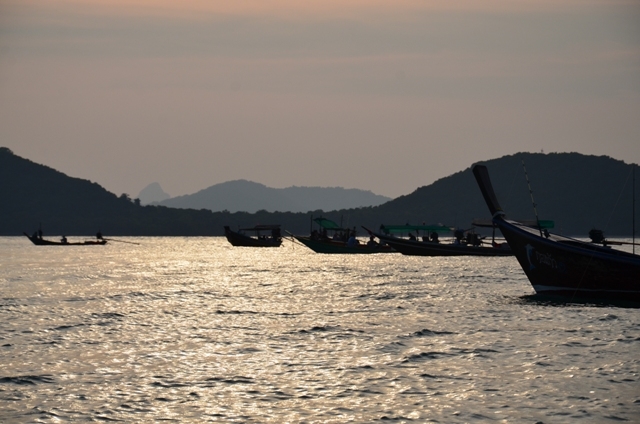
{"points": [[192, 329]]}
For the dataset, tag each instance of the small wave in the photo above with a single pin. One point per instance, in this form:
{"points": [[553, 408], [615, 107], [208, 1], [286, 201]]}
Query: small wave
{"points": [[425, 375], [578, 397], [121, 296], [629, 340], [573, 344], [38, 411], [442, 377], [168, 385], [246, 350], [365, 367], [102, 417], [233, 380], [426, 355], [562, 302], [235, 312], [66, 327], [27, 379], [399, 418], [482, 417], [392, 347], [428, 333], [8, 302], [108, 315], [476, 351], [322, 328], [456, 352], [319, 329], [608, 317]]}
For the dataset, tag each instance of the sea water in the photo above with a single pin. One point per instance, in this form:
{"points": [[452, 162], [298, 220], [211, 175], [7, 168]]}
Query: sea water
{"points": [[193, 329]]}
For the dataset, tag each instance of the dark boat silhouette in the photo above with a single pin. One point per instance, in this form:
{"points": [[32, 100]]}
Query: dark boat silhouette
{"points": [[563, 266], [39, 241], [465, 243], [332, 238], [264, 236]]}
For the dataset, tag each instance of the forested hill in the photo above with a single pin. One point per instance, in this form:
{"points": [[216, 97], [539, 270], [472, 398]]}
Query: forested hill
{"points": [[242, 195], [578, 192]]}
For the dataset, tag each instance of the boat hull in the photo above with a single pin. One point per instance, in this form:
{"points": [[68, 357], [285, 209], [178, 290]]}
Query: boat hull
{"points": [[561, 266], [427, 248], [43, 242], [241, 240], [337, 247], [573, 270]]}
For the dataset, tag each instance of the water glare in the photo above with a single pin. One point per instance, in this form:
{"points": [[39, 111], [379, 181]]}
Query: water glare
{"points": [[193, 329]]}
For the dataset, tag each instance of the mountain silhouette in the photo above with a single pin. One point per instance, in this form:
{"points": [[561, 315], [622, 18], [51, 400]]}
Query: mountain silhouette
{"points": [[152, 193], [247, 196], [578, 192]]}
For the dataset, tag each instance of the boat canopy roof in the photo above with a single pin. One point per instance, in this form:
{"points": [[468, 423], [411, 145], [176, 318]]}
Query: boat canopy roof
{"points": [[389, 229], [327, 223], [544, 223]]}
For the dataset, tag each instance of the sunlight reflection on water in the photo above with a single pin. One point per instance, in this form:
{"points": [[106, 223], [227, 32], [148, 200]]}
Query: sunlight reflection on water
{"points": [[192, 328]]}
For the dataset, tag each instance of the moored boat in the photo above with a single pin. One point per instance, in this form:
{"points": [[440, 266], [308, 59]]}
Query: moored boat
{"points": [[39, 241], [263, 236], [464, 243], [334, 239], [563, 266]]}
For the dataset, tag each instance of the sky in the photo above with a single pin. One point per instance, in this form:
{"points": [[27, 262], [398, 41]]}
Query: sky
{"points": [[379, 95]]}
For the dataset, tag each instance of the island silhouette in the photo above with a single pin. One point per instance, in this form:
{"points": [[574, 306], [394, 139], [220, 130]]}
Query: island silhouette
{"points": [[578, 192]]}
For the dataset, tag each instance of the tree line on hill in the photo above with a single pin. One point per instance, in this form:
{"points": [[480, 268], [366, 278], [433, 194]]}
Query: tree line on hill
{"points": [[578, 192]]}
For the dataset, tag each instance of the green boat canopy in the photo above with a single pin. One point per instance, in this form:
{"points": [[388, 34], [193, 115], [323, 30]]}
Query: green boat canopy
{"points": [[544, 223], [327, 223], [390, 229]]}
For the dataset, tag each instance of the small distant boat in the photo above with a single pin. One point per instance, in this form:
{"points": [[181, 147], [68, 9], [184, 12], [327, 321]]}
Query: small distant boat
{"points": [[334, 239], [464, 243], [263, 236], [39, 241], [563, 266]]}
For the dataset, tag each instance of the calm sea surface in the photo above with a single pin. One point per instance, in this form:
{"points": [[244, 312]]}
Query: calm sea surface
{"points": [[192, 329]]}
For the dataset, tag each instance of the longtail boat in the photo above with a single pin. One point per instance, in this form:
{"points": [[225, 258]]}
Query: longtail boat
{"points": [[464, 242], [39, 241], [562, 266], [332, 238], [263, 236]]}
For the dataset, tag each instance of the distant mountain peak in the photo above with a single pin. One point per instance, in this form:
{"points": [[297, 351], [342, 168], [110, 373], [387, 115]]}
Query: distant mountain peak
{"points": [[249, 196], [152, 193]]}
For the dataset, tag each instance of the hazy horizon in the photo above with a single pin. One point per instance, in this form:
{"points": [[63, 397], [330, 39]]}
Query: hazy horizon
{"points": [[380, 96]]}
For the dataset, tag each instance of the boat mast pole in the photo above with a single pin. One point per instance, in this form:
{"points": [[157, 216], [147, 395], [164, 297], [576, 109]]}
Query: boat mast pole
{"points": [[535, 211]]}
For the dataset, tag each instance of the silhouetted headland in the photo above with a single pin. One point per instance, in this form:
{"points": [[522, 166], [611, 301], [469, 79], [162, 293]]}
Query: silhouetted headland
{"points": [[578, 192]]}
